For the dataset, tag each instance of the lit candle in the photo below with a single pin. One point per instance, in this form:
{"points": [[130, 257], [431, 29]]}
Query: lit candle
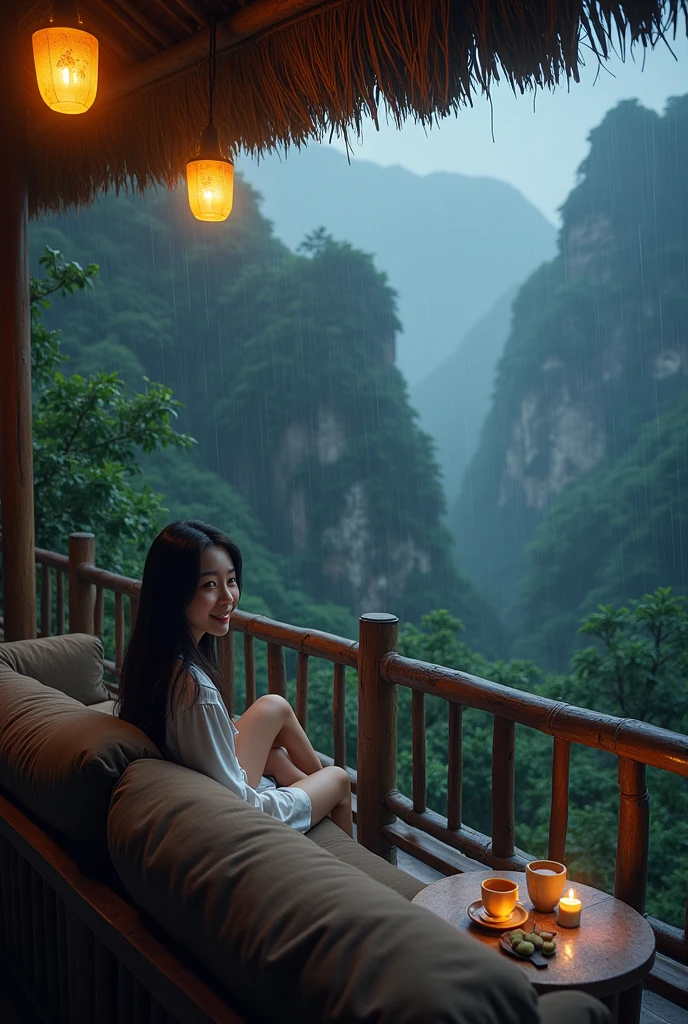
{"points": [[569, 911]]}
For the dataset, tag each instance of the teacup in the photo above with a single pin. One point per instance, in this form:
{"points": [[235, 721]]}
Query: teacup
{"points": [[546, 880], [499, 896]]}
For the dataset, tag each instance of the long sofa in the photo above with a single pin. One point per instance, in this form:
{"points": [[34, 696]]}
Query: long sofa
{"points": [[133, 889]]}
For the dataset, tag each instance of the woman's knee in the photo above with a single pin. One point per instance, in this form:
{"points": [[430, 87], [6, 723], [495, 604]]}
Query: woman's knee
{"points": [[342, 780], [274, 707]]}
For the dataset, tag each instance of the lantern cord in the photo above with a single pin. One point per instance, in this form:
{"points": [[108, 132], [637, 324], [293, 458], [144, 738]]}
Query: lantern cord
{"points": [[211, 69]]}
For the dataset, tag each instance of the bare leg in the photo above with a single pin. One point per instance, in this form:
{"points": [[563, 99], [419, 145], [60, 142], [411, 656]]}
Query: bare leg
{"points": [[282, 768], [270, 722], [330, 793]]}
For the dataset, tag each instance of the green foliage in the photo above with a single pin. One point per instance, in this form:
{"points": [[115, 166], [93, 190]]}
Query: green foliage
{"points": [[88, 435]]}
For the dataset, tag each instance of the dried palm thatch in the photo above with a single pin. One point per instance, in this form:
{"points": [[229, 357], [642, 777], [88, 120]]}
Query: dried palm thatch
{"points": [[323, 72]]}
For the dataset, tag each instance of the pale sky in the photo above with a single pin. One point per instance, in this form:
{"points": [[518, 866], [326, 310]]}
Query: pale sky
{"points": [[537, 150]]}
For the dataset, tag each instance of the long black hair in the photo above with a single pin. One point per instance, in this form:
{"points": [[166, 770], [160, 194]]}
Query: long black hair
{"points": [[161, 634]]}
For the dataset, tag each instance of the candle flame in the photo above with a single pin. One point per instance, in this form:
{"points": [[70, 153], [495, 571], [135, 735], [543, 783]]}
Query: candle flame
{"points": [[571, 894]]}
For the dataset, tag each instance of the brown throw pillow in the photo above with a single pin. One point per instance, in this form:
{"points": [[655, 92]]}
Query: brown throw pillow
{"points": [[71, 663], [290, 931], [60, 760]]}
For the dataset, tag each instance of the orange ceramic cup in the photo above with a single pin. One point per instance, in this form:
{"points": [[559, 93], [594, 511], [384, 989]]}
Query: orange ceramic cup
{"points": [[499, 896], [546, 880]]}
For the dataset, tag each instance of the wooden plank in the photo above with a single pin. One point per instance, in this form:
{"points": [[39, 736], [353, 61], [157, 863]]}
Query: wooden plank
{"points": [[559, 812], [420, 783], [430, 851], [503, 772], [669, 979], [466, 840]]}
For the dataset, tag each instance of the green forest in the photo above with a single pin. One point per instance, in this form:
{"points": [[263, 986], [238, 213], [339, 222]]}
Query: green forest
{"points": [[180, 371]]}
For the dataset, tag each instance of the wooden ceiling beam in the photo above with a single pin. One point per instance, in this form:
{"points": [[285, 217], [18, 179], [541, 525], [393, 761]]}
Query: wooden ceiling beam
{"points": [[127, 25], [170, 12], [195, 12], [150, 27], [249, 21]]}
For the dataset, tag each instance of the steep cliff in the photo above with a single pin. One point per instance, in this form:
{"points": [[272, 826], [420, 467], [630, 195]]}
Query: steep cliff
{"points": [[285, 364], [598, 348]]}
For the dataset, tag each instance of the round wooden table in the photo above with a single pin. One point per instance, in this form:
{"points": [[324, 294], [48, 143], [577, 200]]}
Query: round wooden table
{"points": [[608, 956]]}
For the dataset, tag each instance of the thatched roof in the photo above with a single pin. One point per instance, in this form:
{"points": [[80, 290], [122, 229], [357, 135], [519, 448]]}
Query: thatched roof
{"points": [[293, 70]]}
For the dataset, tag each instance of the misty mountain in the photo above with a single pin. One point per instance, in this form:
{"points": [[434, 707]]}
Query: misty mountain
{"points": [[454, 398], [451, 245]]}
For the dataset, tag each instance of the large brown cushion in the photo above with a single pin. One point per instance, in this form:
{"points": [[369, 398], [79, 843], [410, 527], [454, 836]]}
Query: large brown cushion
{"points": [[60, 760], [329, 837], [293, 933], [71, 663]]}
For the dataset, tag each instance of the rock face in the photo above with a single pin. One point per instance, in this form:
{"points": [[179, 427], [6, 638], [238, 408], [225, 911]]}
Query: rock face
{"points": [[598, 346]]}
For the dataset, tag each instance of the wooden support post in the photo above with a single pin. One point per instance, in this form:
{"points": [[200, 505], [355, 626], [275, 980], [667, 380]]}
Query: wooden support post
{"points": [[559, 813], [225, 657], [82, 596], [630, 883], [16, 455], [377, 733], [503, 768]]}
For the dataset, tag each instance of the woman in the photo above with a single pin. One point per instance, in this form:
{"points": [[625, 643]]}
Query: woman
{"points": [[170, 686]]}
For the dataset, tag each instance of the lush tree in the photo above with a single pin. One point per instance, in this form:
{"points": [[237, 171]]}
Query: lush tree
{"points": [[88, 436]]}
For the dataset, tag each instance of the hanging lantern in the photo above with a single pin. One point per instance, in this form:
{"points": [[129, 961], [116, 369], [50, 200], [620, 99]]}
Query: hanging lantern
{"points": [[210, 176], [66, 60], [210, 179]]}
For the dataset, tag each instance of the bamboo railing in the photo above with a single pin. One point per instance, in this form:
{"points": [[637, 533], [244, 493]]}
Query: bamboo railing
{"points": [[387, 819]]}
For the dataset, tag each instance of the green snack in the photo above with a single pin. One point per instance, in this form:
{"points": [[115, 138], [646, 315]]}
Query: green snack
{"points": [[549, 949], [547, 936], [525, 948], [517, 932], [529, 936], [538, 941], [515, 940]]}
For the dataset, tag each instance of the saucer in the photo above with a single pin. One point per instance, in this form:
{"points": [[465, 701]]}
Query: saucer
{"points": [[478, 914]]}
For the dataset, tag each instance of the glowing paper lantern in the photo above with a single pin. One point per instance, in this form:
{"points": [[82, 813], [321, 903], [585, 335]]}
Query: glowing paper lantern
{"points": [[66, 60], [210, 179]]}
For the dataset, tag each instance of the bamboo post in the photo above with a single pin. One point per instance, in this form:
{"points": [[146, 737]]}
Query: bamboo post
{"points": [[16, 453], [455, 766], [377, 733], [277, 672], [420, 784], [630, 883], [82, 596], [225, 657], [503, 828], [302, 690], [559, 813], [338, 714], [250, 669]]}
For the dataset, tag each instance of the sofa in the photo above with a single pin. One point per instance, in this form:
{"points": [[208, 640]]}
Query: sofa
{"points": [[133, 889]]}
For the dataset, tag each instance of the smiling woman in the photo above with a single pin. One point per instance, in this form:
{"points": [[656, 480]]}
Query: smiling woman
{"points": [[171, 688]]}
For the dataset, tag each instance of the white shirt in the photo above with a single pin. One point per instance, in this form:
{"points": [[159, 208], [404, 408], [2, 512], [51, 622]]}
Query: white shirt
{"points": [[200, 735]]}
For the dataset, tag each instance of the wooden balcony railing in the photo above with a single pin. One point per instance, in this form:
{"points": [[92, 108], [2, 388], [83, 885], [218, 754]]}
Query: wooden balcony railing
{"points": [[386, 818]]}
